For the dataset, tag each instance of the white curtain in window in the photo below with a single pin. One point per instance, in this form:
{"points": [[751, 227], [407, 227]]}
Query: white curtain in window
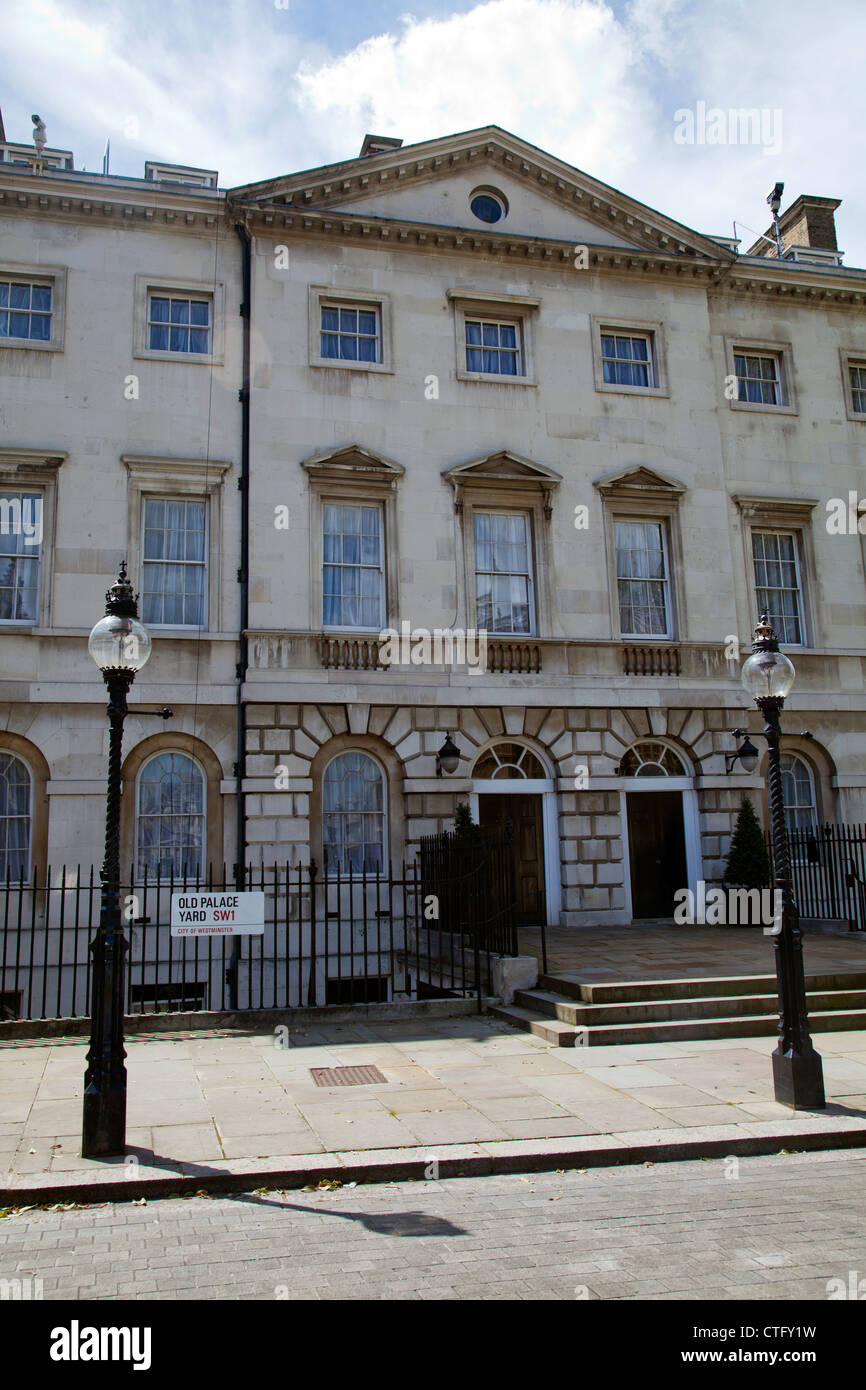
{"points": [[352, 577], [170, 819], [14, 817], [353, 814], [641, 578], [798, 788]]}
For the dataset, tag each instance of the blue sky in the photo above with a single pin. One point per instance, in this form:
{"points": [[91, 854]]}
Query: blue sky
{"points": [[256, 88]]}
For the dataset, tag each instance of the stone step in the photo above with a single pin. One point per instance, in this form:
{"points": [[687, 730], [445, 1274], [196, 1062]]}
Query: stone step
{"points": [[551, 1030], [641, 991], [745, 1026], [551, 1004], [562, 1034]]}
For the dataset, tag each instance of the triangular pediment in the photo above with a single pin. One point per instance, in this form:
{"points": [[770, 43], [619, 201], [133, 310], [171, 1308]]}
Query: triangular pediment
{"points": [[353, 461], [638, 479], [502, 467], [430, 184]]}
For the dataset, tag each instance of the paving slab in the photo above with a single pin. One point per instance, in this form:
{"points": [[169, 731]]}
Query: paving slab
{"points": [[215, 1110]]}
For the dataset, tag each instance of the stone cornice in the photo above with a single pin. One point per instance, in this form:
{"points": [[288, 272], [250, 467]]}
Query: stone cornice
{"points": [[24, 460], [757, 505], [435, 236], [430, 160], [138, 204], [116, 203], [813, 286]]}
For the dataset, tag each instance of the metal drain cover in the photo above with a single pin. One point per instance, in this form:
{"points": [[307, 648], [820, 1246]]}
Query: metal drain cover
{"points": [[347, 1076]]}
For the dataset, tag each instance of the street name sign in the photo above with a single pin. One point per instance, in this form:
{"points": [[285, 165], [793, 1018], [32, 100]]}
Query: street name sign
{"points": [[217, 914]]}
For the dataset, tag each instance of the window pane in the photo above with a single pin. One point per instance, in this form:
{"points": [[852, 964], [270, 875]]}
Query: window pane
{"points": [[174, 593], [353, 821], [352, 575], [502, 572], [170, 816]]}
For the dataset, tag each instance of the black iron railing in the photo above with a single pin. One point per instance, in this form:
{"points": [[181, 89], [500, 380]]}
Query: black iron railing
{"points": [[342, 937], [828, 870]]}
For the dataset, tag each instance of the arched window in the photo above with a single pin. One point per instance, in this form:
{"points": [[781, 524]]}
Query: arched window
{"points": [[170, 816], [798, 788], [651, 759], [353, 814], [509, 760], [14, 817]]}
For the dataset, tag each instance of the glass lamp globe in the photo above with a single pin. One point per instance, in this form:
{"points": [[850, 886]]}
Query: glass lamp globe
{"points": [[449, 755], [748, 755], [119, 644], [768, 675]]}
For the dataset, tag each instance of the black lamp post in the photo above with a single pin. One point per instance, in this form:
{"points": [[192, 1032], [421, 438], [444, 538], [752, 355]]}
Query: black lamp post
{"points": [[798, 1078], [120, 646]]}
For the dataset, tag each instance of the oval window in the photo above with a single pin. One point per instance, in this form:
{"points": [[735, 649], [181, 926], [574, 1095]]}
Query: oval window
{"points": [[487, 205]]}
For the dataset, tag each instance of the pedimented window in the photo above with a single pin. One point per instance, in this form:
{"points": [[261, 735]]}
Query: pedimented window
{"points": [[505, 503]]}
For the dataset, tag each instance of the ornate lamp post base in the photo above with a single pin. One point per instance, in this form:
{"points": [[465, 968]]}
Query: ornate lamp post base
{"points": [[798, 1079], [104, 1121]]}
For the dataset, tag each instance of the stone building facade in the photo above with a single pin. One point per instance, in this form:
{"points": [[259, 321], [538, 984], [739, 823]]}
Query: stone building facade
{"points": [[479, 389]]}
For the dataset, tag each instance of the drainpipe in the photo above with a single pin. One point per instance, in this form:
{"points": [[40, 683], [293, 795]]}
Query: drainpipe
{"points": [[244, 581]]}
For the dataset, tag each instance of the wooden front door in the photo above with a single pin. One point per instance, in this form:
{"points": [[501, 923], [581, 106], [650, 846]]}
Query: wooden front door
{"points": [[524, 813], [657, 849]]}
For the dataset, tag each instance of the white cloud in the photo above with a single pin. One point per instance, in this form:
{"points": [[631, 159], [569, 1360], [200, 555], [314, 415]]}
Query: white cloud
{"points": [[558, 73], [601, 91], [230, 85]]}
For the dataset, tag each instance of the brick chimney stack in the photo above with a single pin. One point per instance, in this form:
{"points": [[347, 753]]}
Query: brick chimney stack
{"points": [[808, 224]]}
